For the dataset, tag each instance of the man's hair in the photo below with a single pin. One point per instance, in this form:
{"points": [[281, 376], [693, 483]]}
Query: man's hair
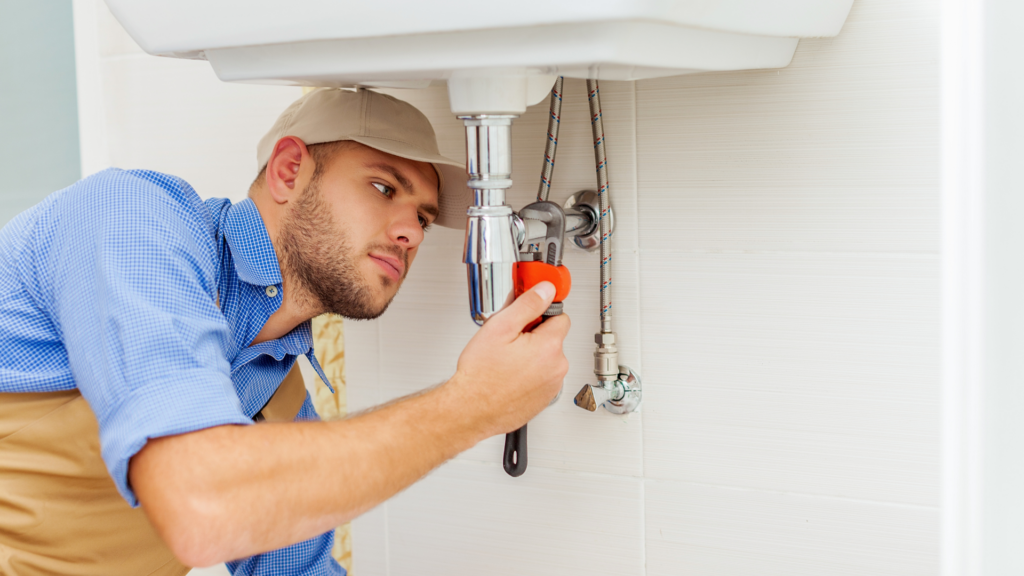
{"points": [[321, 153]]}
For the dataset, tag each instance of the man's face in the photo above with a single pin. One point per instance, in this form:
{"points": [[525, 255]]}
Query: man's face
{"points": [[354, 231]]}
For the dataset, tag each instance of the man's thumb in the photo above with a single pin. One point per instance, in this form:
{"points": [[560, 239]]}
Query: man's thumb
{"points": [[529, 306]]}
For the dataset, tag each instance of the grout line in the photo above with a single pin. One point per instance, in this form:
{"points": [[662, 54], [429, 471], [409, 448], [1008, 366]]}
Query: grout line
{"points": [[387, 539], [386, 511], [380, 362], [644, 481], [803, 253], [94, 151], [888, 503], [643, 525], [639, 330]]}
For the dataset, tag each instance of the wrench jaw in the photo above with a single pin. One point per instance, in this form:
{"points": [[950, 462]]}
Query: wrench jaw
{"points": [[553, 217], [542, 259]]}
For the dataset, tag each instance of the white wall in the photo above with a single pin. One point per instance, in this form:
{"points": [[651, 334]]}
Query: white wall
{"points": [[776, 286]]}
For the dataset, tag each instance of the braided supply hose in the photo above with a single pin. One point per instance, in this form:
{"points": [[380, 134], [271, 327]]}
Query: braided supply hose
{"points": [[554, 120], [601, 159]]}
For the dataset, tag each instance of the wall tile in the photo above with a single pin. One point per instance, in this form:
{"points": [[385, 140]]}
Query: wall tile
{"points": [[836, 152], [716, 531], [469, 518], [362, 364], [794, 372], [797, 216]]}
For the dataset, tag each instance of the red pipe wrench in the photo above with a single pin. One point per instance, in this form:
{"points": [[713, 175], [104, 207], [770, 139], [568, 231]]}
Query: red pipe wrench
{"points": [[527, 274]]}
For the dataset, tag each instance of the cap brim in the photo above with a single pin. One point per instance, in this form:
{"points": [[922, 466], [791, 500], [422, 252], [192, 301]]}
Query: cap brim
{"points": [[453, 198]]}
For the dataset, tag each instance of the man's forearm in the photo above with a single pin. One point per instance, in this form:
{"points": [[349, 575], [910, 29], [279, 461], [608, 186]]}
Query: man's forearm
{"points": [[233, 491]]}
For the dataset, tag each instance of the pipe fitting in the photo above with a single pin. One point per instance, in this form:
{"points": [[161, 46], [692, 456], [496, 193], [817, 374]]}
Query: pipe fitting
{"points": [[489, 156], [606, 357]]}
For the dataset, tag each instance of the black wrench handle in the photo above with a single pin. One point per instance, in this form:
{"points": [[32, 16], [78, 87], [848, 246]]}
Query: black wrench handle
{"points": [[515, 458]]}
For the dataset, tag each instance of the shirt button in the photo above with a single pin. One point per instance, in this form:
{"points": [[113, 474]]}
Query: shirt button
{"points": [[272, 291]]}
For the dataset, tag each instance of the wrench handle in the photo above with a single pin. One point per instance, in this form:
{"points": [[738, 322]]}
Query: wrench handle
{"points": [[527, 275], [515, 458]]}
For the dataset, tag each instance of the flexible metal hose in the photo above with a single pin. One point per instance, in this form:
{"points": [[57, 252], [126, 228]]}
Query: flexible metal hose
{"points": [[601, 158], [554, 120]]}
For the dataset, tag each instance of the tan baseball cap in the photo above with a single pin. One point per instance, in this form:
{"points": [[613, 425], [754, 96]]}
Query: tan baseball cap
{"points": [[378, 121]]}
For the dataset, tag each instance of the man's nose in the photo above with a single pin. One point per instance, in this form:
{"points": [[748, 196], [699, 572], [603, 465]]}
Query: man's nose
{"points": [[405, 228]]}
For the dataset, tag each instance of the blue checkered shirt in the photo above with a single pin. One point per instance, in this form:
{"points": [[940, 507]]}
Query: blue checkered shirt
{"points": [[111, 286]]}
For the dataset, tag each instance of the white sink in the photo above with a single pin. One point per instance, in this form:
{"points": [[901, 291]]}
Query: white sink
{"points": [[381, 42]]}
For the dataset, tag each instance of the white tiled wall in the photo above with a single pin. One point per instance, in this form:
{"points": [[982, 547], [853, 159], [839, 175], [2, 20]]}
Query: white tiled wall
{"points": [[776, 286]]}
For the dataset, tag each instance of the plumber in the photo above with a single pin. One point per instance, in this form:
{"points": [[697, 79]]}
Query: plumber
{"points": [[151, 413]]}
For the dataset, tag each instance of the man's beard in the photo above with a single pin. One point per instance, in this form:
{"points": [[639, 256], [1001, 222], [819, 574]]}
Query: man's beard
{"points": [[317, 254]]}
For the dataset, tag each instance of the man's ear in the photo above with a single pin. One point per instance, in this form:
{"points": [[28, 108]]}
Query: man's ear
{"points": [[283, 168]]}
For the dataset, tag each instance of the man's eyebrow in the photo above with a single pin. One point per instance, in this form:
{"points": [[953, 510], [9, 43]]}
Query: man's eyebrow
{"points": [[431, 210], [383, 167]]}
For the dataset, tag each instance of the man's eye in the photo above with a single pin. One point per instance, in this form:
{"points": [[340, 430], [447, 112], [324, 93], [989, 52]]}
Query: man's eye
{"points": [[424, 224], [384, 189]]}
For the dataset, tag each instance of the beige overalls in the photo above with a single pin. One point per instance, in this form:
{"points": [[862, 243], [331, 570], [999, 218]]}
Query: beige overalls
{"points": [[60, 512]]}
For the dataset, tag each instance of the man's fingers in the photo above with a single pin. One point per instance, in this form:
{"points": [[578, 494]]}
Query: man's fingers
{"points": [[527, 307], [554, 326]]}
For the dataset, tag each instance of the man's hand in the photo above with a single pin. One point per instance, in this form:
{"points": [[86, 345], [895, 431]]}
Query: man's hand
{"points": [[508, 376]]}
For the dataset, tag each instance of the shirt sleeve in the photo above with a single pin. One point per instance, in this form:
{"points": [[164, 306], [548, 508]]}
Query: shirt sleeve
{"points": [[309, 558], [133, 270]]}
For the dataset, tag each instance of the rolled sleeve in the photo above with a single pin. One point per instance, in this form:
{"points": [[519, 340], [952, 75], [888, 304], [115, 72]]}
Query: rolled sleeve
{"points": [[309, 558], [133, 270], [174, 406]]}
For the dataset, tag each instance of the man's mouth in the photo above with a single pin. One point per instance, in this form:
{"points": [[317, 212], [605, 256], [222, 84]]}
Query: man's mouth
{"points": [[391, 266]]}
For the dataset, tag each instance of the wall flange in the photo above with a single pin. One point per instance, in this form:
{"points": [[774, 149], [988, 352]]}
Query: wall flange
{"points": [[586, 202]]}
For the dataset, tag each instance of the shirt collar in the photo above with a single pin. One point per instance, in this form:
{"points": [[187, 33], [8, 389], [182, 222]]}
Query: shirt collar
{"points": [[251, 249], [298, 341]]}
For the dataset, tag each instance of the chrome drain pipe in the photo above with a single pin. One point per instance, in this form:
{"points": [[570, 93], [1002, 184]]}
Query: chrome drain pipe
{"points": [[491, 249]]}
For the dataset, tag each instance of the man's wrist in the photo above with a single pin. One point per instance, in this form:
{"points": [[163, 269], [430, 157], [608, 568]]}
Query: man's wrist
{"points": [[460, 400]]}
